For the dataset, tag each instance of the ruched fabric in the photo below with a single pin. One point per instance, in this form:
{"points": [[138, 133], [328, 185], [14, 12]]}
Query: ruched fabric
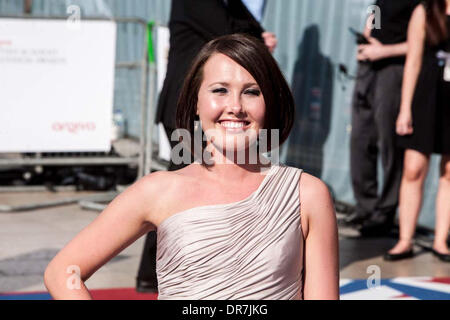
{"points": [[250, 249]]}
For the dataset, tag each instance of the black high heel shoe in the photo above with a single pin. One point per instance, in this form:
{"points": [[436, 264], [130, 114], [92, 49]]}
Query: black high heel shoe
{"points": [[398, 256], [442, 256]]}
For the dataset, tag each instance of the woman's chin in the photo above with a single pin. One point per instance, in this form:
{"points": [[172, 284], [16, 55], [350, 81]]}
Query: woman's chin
{"points": [[238, 143], [236, 148]]}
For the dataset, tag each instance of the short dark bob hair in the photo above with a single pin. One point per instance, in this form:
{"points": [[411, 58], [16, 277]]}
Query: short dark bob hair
{"points": [[252, 55]]}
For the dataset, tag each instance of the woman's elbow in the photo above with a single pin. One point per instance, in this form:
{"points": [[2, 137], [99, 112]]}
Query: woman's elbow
{"points": [[65, 283], [414, 59], [50, 276], [54, 276]]}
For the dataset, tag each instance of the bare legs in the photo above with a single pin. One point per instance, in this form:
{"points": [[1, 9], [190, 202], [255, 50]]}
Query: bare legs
{"points": [[411, 194], [443, 208], [410, 199]]}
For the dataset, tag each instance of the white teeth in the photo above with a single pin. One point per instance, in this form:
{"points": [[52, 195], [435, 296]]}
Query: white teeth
{"points": [[233, 124]]}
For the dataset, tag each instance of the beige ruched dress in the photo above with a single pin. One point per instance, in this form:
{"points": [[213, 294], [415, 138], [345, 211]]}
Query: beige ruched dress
{"points": [[250, 249]]}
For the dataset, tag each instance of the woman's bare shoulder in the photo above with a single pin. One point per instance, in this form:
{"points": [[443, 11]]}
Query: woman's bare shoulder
{"points": [[157, 178], [312, 188], [419, 15], [315, 200], [161, 188], [420, 10], [165, 180]]}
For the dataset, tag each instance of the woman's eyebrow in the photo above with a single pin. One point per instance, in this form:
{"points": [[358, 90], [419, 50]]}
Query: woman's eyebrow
{"points": [[226, 84], [250, 84]]}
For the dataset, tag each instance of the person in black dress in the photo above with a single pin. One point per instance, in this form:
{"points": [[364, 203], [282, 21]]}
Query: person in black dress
{"points": [[423, 124], [193, 23], [375, 106]]}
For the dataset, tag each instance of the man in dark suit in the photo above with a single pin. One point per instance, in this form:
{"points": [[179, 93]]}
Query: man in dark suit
{"points": [[193, 23]]}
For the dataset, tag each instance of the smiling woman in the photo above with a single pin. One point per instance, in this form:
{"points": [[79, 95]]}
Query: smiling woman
{"points": [[228, 230]]}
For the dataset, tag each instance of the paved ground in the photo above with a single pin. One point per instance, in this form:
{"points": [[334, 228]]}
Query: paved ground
{"points": [[29, 240]]}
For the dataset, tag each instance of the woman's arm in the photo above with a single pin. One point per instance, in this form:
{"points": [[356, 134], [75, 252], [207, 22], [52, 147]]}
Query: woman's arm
{"points": [[416, 42], [321, 250], [124, 220]]}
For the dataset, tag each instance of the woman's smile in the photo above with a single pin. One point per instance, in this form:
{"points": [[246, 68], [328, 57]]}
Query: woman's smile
{"points": [[234, 126]]}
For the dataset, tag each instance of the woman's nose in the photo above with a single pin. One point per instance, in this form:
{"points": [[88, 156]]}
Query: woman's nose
{"points": [[236, 104], [236, 108]]}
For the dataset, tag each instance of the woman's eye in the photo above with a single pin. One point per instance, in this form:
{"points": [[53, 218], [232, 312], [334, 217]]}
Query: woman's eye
{"points": [[220, 90], [253, 92]]}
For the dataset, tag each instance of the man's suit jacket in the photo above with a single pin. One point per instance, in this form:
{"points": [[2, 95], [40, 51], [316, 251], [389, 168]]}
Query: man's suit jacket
{"points": [[193, 23]]}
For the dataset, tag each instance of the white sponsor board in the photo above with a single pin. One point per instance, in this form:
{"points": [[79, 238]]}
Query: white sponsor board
{"points": [[56, 85]]}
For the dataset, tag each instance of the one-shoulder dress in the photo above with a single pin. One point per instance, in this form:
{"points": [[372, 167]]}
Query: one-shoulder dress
{"points": [[251, 249]]}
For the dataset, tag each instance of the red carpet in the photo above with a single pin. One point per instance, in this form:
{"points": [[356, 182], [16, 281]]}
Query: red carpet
{"points": [[121, 294], [97, 294]]}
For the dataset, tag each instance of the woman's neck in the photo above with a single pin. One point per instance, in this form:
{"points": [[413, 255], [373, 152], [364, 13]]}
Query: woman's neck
{"points": [[235, 177], [232, 167], [249, 158]]}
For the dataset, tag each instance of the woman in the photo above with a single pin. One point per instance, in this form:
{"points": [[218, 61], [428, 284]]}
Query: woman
{"points": [[193, 23], [225, 231], [424, 125]]}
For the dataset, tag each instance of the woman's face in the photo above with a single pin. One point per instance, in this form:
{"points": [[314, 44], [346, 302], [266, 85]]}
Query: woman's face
{"points": [[230, 105]]}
